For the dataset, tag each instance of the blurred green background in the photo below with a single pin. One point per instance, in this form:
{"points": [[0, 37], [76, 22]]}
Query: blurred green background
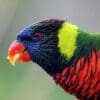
{"points": [[29, 81]]}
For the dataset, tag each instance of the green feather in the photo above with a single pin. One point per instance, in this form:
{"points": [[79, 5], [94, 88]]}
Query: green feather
{"points": [[86, 42]]}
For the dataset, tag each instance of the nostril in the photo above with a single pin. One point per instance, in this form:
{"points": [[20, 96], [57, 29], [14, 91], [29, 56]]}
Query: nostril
{"points": [[19, 38]]}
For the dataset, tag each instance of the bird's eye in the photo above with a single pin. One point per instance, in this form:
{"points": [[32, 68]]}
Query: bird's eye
{"points": [[37, 36]]}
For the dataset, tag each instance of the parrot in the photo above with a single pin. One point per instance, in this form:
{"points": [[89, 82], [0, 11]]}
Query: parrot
{"points": [[67, 53]]}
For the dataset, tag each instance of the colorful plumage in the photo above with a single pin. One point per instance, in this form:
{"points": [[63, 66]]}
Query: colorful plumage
{"points": [[70, 55]]}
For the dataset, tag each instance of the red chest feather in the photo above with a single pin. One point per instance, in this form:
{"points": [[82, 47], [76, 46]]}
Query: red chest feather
{"points": [[83, 79]]}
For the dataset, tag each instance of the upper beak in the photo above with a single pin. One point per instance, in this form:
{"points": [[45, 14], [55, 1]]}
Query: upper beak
{"points": [[14, 59], [18, 52]]}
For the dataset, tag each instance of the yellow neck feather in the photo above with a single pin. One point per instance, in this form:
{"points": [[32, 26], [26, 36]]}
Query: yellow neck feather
{"points": [[67, 36]]}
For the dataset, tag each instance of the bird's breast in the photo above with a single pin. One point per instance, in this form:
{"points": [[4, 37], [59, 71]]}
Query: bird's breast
{"points": [[83, 79]]}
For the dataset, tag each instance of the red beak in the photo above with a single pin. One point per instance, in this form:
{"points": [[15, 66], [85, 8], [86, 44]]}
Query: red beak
{"points": [[18, 52]]}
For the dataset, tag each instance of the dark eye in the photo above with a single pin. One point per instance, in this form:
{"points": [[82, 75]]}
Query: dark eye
{"points": [[37, 36]]}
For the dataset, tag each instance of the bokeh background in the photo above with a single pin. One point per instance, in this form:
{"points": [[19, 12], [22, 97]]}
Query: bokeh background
{"points": [[29, 81]]}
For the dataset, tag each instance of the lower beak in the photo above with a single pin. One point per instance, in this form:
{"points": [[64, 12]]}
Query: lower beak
{"points": [[18, 52]]}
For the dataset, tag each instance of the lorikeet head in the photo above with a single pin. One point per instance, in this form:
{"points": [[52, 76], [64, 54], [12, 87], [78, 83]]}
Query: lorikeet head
{"points": [[45, 43]]}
